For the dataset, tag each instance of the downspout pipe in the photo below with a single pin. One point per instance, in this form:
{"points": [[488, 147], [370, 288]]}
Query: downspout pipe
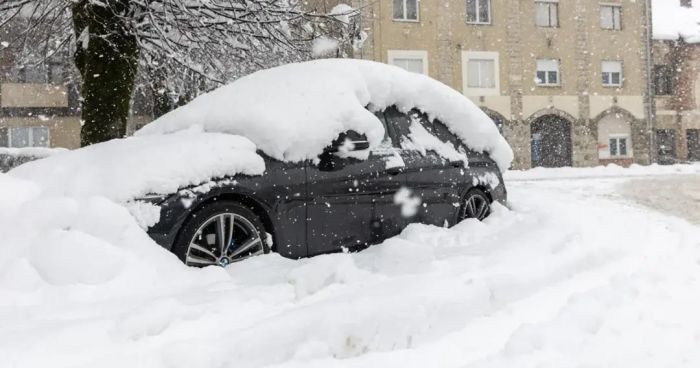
{"points": [[649, 36]]}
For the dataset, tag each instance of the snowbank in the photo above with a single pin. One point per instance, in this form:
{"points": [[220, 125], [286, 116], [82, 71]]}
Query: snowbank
{"points": [[293, 111], [608, 171], [671, 21], [13, 157], [63, 250], [123, 169], [535, 286]]}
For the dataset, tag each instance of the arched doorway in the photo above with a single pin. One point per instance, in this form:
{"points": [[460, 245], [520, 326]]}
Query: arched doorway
{"points": [[551, 141]]}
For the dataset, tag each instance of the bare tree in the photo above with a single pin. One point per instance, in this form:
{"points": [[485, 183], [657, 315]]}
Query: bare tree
{"points": [[177, 44]]}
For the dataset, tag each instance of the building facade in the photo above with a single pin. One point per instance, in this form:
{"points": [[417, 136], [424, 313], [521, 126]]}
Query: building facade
{"points": [[676, 81], [38, 104], [40, 101], [677, 103], [566, 81]]}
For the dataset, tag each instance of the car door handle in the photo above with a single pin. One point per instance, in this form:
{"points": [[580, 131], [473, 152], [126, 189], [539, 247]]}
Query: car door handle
{"points": [[395, 170]]}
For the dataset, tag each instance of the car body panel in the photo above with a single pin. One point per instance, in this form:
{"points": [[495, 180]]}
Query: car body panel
{"points": [[342, 202]]}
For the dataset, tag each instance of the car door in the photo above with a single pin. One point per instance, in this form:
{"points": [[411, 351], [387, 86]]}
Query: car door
{"points": [[282, 187], [387, 217], [435, 170], [345, 197]]}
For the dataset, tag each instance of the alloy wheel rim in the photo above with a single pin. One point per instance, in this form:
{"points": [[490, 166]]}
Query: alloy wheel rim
{"points": [[476, 206], [223, 239]]}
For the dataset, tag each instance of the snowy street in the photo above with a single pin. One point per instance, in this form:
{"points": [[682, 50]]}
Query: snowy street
{"points": [[579, 273]]}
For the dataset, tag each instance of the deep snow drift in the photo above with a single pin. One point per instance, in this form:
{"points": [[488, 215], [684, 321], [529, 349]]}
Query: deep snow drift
{"points": [[293, 111], [573, 267]]}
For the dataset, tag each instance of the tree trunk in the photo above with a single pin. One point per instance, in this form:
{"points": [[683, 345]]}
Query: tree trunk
{"points": [[107, 58]]}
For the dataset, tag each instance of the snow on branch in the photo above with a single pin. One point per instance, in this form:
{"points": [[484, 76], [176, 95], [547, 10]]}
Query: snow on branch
{"points": [[206, 42]]}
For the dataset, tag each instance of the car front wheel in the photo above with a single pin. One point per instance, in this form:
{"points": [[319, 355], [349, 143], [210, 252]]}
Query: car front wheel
{"points": [[220, 233], [476, 204]]}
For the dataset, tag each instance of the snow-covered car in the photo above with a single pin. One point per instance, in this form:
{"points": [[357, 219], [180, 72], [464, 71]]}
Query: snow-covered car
{"points": [[339, 202], [302, 159]]}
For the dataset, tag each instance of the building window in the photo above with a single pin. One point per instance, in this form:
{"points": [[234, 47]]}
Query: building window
{"points": [[479, 11], [612, 73], [548, 72], [4, 137], [480, 71], [51, 72], [547, 13], [415, 61], [611, 17], [414, 65], [618, 146], [56, 73], [663, 80], [406, 10], [34, 73], [25, 137]]}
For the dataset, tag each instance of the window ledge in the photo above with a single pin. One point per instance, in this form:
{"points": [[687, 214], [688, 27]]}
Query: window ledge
{"points": [[482, 92], [406, 20], [479, 23]]}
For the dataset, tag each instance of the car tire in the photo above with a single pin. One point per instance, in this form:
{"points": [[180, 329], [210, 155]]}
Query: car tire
{"points": [[476, 204], [200, 244]]}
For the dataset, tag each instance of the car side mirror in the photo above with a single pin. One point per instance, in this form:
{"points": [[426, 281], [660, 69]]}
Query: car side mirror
{"points": [[349, 141]]}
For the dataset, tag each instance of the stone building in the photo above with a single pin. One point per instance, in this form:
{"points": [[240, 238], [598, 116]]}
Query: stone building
{"points": [[566, 80], [40, 102], [676, 80]]}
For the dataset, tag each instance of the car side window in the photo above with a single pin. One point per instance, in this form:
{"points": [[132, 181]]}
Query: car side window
{"points": [[437, 128], [388, 136], [399, 127], [442, 132], [398, 124]]}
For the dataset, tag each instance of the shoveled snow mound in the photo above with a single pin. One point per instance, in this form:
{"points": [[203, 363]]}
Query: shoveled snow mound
{"points": [[293, 111], [673, 22], [123, 169], [60, 250], [608, 171]]}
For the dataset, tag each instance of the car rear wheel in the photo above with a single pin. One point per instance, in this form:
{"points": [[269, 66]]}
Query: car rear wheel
{"points": [[476, 204], [219, 234]]}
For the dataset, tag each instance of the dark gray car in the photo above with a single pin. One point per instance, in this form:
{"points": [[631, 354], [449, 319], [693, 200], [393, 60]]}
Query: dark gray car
{"points": [[334, 204]]}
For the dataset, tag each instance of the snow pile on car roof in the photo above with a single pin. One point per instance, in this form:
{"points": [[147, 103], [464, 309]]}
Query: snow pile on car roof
{"points": [[123, 169], [671, 21], [293, 111]]}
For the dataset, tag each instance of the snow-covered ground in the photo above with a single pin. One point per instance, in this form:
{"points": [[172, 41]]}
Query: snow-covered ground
{"points": [[579, 272]]}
